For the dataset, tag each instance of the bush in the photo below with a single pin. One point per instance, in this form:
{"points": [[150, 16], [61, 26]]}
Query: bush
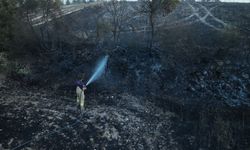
{"points": [[18, 71], [231, 36], [7, 14], [3, 63]]}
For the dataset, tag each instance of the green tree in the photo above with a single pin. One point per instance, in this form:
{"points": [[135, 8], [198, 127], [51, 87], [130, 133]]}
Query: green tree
{"points": [[7, 17], [58, 3], [24, 35], [31, 5], [152, 8], [67, 2]]}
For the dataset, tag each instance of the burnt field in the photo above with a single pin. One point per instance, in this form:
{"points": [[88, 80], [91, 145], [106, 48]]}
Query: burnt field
{"points": [[41, 119], [184, 86]]}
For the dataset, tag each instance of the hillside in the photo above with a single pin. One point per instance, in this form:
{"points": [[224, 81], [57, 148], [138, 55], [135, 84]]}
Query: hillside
{"points": [[189, 90]]}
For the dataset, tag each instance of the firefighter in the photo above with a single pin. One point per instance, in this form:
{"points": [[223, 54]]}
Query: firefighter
{"points": [[80, 97]]}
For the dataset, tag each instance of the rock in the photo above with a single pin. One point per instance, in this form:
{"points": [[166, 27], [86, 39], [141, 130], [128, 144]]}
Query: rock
{"points": [[50, 118], [228, 62], [193, 89], [85, 126], [10, 142], [1, 147], [246, 76], [204, 72], [220, 63]]}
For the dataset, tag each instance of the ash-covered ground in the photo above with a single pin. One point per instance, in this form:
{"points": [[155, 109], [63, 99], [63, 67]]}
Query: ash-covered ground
{"points": [[187, 90], [42, 119]]}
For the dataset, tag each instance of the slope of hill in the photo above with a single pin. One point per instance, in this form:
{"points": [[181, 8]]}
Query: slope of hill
{"points": [[191, 90]]}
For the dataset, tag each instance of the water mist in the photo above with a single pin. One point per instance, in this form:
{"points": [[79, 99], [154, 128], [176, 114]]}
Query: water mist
{"points": [[99, 70]]}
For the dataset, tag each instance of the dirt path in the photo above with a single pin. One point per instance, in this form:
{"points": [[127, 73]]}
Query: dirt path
{"points": [[66, 10], [199, 13]]}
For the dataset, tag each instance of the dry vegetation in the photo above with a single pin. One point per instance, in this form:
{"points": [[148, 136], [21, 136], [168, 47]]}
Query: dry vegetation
{"points": [[178, 75]]}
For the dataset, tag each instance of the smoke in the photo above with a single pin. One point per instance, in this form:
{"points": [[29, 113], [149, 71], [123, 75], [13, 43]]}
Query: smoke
{"points": [[99, 70]]}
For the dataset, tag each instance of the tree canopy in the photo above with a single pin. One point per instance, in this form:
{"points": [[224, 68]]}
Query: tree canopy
{"points": [[7, 15]]}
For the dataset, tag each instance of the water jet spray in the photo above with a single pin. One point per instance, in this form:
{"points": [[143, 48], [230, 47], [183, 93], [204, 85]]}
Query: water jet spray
{"points": [[99, 70]]}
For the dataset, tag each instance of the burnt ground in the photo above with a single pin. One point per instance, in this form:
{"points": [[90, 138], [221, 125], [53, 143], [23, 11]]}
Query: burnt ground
{"points": [[47, 120], [192, 92]]}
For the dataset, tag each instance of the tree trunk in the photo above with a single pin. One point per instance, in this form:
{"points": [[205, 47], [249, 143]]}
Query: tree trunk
{"points": [[152, 30]]}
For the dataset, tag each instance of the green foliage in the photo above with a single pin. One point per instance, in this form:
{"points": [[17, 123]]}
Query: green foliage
{"points": [[59, 2], [49, 5], [223, 133], [7, 15], [17, 71], [231, 36], [3, 62], [17, 36], [76, 1], [30, 5], [67, 2], [169, 5], [103, 28]]}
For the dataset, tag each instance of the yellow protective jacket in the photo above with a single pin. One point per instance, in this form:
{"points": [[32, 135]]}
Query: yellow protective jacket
{"points": [[80, 97]]}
